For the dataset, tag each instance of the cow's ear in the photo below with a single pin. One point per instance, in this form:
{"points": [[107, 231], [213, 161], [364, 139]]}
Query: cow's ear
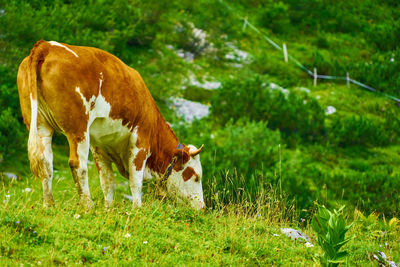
{"points": [[182, 156]]}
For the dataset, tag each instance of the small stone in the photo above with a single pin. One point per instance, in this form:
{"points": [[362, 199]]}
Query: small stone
{"points": [[330, 110]]}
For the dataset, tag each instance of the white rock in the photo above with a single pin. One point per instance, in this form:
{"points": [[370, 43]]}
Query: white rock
{"points": [[236, 54], [10, 175], [190, 110], [330, 110], [208, 85], [381, 258], [295, 234]]}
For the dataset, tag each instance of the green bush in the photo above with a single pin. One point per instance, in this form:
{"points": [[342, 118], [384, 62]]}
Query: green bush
{"points": [[296, 114], [358, 130], [355, 176], [12, 133], [234, 157], [380, 72], [275, 17], [12, 130]]}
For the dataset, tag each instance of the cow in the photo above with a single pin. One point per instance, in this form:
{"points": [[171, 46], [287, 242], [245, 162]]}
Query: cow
{"points": [[102, 105]]}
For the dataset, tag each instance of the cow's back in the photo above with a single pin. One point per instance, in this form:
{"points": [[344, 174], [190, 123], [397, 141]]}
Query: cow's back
{"points": [[72, 78]]}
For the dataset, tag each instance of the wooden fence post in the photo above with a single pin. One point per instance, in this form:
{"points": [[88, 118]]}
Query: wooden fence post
{"points": [[285, 55], [315, 76]]}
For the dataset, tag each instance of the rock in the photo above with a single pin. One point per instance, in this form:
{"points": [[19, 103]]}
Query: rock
{"points": [[383, 261], [189, 110], [330, 110], [10, 175], [236, 54], [207, 85], [295, 235]]}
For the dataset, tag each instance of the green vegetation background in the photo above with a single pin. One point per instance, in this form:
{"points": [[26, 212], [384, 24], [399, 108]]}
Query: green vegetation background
{"points": [[255, 137], [270, 153]]}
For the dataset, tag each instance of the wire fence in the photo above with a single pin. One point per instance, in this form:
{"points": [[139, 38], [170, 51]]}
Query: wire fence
{"points": [[313, 74]]}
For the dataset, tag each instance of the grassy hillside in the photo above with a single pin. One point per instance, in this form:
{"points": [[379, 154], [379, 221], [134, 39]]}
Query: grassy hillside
{"points": [[161, 232], [269, 139]]}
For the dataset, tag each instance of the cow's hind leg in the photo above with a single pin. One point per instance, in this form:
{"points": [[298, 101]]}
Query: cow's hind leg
{"points": [[42, 163], [107, 177], [78, 158]]}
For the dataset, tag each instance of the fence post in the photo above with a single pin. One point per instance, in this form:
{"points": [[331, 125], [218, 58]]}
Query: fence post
{"points": [[348, 80], [244, 24], [315, 76], [285, 55]]}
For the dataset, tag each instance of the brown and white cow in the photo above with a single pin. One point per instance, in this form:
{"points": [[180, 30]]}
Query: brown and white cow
{"points": [[101, 104]]}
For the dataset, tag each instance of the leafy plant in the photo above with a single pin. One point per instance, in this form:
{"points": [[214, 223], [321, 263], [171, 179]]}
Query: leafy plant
{"points": [[331, 229]]}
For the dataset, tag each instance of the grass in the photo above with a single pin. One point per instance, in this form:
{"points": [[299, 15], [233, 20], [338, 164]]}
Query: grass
{"points": [[160, 232]]}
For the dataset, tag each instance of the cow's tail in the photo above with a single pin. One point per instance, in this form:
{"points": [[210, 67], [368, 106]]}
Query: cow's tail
{"points": [[34, 146]]}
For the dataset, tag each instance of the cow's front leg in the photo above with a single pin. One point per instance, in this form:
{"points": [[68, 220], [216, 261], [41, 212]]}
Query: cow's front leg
{"points": [[78, 157], [137, 164]]}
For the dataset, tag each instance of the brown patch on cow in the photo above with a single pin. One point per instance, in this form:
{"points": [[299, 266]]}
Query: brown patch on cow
{"points": [[96, 161], [188, 173], [139, 159], [183, 157]]}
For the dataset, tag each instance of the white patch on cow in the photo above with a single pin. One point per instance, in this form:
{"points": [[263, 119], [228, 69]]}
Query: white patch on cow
{"points": [[63, 46], [101, 81], [86, 104], [34, 113], [190, 190]]}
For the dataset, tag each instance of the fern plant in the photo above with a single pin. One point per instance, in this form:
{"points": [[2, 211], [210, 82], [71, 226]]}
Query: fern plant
{"points": [[331, 229]]}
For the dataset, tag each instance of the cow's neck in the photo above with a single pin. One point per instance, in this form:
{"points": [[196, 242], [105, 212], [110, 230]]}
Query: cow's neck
{"points": [[163, 147]]}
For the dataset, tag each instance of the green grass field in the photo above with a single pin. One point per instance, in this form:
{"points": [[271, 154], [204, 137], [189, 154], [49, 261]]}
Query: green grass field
{"points": [[160, 232], [353, 159]]}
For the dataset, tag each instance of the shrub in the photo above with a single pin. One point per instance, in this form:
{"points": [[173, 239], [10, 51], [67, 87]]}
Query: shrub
{"points": [[294, 113], [358, 130], [235, 157], [275, 16], [381, 72], [11, 133], [12, 130]]}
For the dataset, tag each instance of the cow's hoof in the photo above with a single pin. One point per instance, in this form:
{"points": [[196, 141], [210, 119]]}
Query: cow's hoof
{"points": [[136, 204], [48, 204], [87, 204], [107, 205]]}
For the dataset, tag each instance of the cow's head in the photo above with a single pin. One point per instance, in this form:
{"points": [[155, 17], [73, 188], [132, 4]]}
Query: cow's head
{"points": [[185, 179]]}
